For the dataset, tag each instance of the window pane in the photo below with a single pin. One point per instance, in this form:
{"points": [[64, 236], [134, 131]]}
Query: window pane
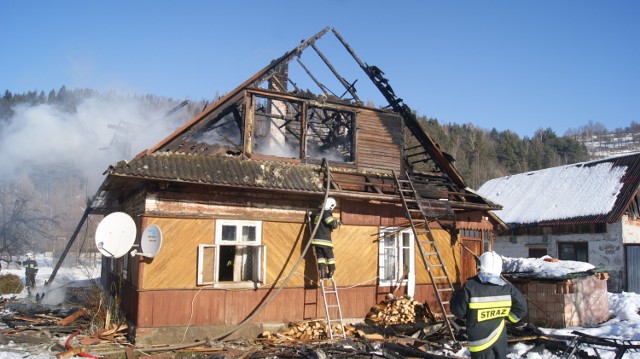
{"points": [[226, 263], [389, 263], [581, 252], [567, 252], [406, 240], [390, 241], [406, 256], [228, 233], [248, 234]]}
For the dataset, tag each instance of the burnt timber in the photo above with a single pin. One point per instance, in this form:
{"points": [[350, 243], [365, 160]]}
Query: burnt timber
{"points": [[266, 153]]}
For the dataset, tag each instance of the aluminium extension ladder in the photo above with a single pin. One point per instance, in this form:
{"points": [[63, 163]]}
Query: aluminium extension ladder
{"points": [[332, 307], [331, 299]]}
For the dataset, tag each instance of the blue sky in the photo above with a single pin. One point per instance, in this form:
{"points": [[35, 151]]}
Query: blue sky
{"points": [[516, 65]]}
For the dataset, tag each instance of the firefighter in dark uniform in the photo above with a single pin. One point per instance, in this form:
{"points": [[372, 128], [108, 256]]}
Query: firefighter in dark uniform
{"points": [[322, 239], [485, 302], [30, 270]]}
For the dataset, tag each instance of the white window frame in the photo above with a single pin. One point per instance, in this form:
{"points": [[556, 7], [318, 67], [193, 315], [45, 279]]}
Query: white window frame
{"points": [[409, 278], [259, 267]]}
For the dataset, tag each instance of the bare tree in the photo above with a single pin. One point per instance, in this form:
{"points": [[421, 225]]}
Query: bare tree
{"points": [[23, 225]]}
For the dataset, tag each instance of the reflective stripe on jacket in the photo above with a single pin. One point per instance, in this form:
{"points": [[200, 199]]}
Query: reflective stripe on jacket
{"points": [[484, 307], [323, 234]]}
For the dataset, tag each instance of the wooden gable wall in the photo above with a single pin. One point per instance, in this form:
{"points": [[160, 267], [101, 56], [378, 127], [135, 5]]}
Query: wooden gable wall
{"points": [[379, 141]]}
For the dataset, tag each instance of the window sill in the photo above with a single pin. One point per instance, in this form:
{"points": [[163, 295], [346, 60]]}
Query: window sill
{"points": [[237, 285], [390, 283]]}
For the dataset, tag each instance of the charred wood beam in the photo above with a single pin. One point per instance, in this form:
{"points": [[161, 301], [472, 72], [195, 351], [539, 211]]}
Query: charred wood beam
{"points": [[238, 117], [287, 57], [322, 87], [260, 92], [370, 183], [411, 122], [295, 86], [238, 91], [280, 87], [344, 83]]}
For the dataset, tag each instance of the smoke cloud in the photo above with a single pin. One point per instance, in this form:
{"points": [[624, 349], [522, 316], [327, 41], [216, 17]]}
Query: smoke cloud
{"points": [[98, 131]]}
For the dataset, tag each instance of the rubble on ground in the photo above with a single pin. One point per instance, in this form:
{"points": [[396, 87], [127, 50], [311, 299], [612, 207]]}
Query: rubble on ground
{"points": [[78, 329]]}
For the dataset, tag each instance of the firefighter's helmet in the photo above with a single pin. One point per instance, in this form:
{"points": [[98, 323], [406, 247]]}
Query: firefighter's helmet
{"points": [[29, 255], [491, 263], [330, 204]]}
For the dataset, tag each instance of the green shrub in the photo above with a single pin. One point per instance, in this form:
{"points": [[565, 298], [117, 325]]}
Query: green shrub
{"points": [[10, 284]]}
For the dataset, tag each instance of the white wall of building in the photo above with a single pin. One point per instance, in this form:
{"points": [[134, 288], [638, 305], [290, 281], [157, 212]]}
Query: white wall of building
{"points": [[606, 250]]}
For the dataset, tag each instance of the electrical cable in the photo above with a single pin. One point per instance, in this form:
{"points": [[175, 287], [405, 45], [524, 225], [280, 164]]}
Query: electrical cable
{"points": [[284, 283]]}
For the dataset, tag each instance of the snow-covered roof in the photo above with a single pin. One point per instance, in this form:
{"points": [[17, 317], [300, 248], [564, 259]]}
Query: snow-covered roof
{"points": [[544, 267], [595, 190]]}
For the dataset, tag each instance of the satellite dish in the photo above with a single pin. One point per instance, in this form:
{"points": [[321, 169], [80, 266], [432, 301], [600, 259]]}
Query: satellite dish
{"points": [[151, 242], [115, 234]]}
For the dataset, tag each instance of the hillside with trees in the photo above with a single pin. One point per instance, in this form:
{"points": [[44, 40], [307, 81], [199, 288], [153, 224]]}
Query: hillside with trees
{"points": [[54, 147], [481, 155]]}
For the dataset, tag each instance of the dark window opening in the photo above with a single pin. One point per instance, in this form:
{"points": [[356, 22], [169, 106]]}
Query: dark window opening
{"points": [[573, 251], [537, 252]]}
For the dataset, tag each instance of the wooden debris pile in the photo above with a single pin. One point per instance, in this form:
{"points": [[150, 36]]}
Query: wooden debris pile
{"points": [[394, 310], [115, 334], [41, 319]]}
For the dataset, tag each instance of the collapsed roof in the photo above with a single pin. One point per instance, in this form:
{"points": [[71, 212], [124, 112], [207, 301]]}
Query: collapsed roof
{"points": [[272, 133]]}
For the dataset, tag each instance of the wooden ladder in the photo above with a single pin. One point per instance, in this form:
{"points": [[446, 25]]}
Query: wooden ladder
{"points": [[428, 248]]}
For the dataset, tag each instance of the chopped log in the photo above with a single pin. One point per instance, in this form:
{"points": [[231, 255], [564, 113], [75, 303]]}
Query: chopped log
{"points": [[69, 353], [30, 320], [73, 317], [160, 356], [115, 329], [373, 336], [90, 341]]}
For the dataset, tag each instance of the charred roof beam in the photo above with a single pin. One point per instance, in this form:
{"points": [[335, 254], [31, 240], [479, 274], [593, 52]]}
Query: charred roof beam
{"points": [[322, 87], [344, 82]]}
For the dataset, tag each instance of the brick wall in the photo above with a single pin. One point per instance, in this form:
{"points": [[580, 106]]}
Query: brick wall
{"points": [[573, 302]]}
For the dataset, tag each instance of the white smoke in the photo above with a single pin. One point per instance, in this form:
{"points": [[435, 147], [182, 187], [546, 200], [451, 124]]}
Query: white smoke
{"points": [[102, 130]]}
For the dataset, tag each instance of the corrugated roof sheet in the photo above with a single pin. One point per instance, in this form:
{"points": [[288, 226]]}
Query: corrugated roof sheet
{"points": [[218, 170], [590, 192]]}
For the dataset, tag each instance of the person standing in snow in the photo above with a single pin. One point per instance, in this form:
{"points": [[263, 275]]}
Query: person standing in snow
{"points": [[30, 270], [485, 302]]}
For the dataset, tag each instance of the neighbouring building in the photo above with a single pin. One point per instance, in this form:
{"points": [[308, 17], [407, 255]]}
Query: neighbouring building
{"points": [[585, 212], [231, 191]]}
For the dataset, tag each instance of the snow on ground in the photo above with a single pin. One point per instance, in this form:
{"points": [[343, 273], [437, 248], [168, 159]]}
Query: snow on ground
{"points": [[75, 272], [625, 322]]}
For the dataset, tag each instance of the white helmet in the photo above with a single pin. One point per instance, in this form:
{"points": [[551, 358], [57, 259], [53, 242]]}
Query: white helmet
{"points": [[491, 263], [330, 204], [29, 255]]}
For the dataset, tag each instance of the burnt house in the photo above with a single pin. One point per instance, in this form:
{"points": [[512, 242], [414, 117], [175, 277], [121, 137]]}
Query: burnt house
{"points": [[231, 191], [584, 212]]}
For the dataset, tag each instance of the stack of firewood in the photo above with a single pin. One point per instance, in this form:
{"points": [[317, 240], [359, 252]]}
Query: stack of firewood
{"points": [[393, 310], [308, 330]]}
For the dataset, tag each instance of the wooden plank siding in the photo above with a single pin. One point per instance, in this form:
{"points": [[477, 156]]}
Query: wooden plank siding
{"points": [[167, 294], [449, 253], [378, 141], [175, 265], [230, 307]]}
